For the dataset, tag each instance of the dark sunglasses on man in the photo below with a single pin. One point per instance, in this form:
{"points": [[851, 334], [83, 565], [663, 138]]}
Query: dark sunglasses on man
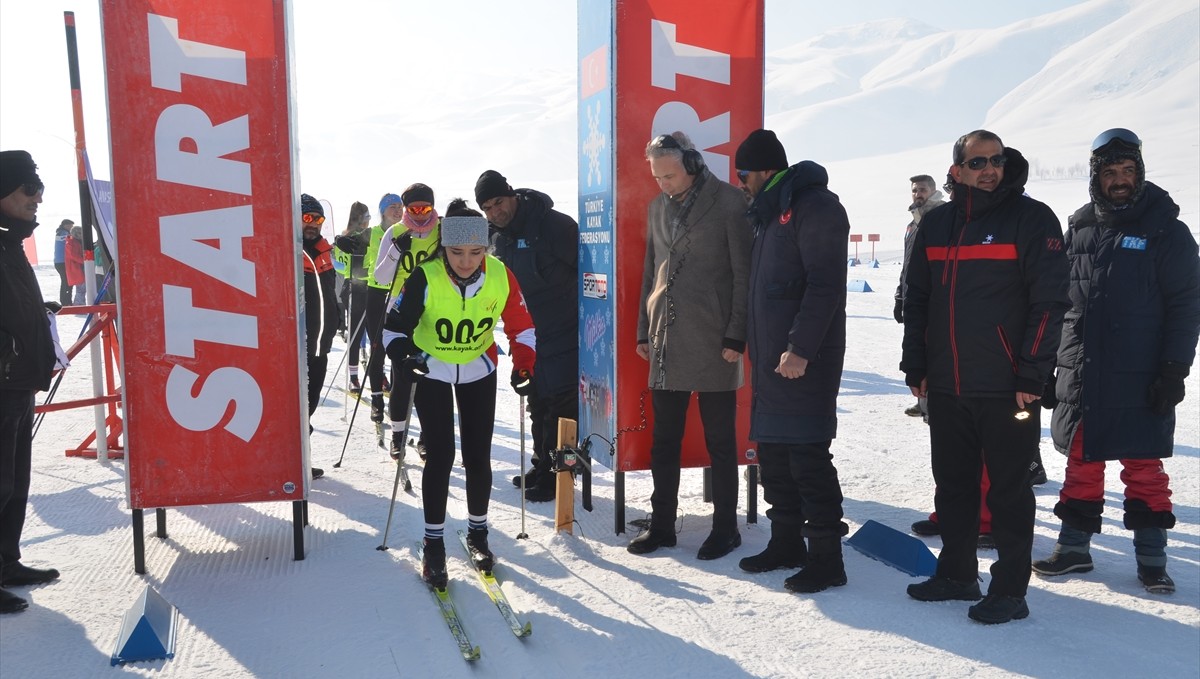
{"points": [[310, 218], [979, 162], [33, 188], [742, 174]]}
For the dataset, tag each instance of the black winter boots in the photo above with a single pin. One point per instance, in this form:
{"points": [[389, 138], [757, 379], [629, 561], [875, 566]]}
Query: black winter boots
{"points": [[785, 550], [824, 569]]}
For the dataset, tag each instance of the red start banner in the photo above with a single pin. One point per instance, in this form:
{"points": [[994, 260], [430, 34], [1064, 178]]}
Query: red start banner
{"points": [[204, 196], [694, 66]]}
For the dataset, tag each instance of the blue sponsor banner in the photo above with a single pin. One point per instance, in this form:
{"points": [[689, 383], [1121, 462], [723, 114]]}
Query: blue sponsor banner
{"points": [[597, 337]]}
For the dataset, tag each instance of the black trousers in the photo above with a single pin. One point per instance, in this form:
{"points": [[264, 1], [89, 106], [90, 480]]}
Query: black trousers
{"points": [[16, 453], [317, 367], [64, 288], [358, 312], [959, 428], [376, 308], [718, 412], [544, 412], [476, 419], [801, 485]]}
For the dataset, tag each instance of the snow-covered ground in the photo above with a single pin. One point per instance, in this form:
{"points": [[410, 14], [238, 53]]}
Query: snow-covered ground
{"points": [[348, 610]]}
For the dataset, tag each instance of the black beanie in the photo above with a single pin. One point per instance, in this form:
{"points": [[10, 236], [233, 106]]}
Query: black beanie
{"points": [[490, 185], [417, 193], [761, 151], [16, 169], [308, 205]]}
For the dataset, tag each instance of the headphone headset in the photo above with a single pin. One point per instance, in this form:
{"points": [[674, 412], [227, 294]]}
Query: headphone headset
{"points": [[693, 162]]}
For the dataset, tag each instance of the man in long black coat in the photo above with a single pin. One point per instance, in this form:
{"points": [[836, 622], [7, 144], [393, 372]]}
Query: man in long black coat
{"points": [[26, 363], [1127, 346], [797, 344]]}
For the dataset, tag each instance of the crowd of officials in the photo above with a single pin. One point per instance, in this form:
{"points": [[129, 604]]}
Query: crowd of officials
{"points": [[1004, 314]]}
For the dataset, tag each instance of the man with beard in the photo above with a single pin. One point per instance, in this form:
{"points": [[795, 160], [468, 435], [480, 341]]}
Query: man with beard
{"points": [[987, 289], [797, 345], [26, 362], [925, 197], [320, 301], [540, 246], [1127, 346]]}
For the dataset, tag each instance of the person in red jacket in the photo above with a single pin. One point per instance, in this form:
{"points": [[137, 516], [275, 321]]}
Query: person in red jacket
{"points": [[440, 331], [320, 301], [74, 263]]}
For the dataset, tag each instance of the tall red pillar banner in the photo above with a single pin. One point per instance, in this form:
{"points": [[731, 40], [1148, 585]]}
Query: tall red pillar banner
{"points": [[695, 66], [204, 194]]}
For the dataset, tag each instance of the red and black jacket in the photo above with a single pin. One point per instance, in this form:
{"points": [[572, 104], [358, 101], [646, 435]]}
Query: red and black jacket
{"points": [[987, 290]]}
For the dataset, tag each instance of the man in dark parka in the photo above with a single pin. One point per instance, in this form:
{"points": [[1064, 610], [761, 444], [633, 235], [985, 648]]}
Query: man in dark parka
{"points": [[797, 343], [1127, 345]]}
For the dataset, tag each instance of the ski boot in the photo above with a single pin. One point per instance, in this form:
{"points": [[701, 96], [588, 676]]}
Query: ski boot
{"points": [[477, 544], [433, 567], [397, 451], [377, 408], [355, 386]]}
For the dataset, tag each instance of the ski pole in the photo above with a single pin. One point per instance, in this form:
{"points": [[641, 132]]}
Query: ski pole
{"points": [[350, 428], [412, 394], [330, 385], [521, 415]]}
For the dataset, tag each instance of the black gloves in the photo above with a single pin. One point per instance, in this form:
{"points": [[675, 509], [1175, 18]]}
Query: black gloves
{"points": [[417, 364], [898, 312], [400, 349], [1049, 398], [522, 382], [403, 242], [407, 357], [52, 307], [1166, 391]]}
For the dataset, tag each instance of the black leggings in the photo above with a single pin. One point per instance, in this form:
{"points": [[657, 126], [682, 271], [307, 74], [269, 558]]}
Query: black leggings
{"points": [[476, 417], [358, 312], [376, 307]]}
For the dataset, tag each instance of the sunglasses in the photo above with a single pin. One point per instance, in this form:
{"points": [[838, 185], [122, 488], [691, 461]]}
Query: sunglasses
{"points": [[310, 218], [742, 174], [33, 188], [979, 162], [419, 210]]}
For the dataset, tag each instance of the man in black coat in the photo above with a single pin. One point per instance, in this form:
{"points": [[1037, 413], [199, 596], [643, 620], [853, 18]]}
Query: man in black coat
{"points": [[26, 363], [986, 292], [540, 246], [797, 343], [1127, 345], [320, 301]]}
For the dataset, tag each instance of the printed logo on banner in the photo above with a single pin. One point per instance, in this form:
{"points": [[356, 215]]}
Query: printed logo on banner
{"points": [[595, 285]]}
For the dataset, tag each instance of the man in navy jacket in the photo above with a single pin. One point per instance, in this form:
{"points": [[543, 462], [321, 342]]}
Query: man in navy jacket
{"points": [[1127, 345], [987, 289]]}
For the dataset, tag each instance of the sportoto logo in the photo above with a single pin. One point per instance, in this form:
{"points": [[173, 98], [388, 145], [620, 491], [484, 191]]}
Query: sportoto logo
{"points": [[595, 285]]}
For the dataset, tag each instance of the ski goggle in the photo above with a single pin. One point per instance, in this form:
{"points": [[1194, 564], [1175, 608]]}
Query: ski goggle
{"points": [[419, 210], [32, 188], [310, 218], [1116, 134], [979, 162]]}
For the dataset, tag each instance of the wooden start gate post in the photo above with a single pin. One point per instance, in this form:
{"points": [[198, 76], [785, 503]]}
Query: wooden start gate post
{"points": [[564, 490]]}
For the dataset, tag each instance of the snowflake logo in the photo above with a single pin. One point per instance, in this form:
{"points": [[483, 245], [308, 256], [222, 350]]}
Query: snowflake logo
{"points": [[594, 145]]}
